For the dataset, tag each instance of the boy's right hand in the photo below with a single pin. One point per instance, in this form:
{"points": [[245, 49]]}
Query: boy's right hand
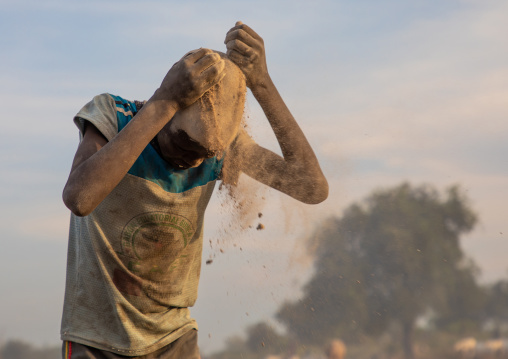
{"points": [[190, 78]]}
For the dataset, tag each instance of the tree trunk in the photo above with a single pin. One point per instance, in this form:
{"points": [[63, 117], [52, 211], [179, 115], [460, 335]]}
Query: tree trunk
{"points": [[407, 339]]}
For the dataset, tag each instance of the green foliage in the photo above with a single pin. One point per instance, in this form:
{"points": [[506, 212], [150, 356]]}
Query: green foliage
{"points": [[496, 307], [262, 338], [389, 259], [462, 313], [236, 348], [497, 301], [16, 349]]}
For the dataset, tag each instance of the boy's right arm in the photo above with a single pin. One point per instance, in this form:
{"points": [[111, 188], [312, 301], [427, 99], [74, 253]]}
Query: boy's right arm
{"points": [[100, 165]]}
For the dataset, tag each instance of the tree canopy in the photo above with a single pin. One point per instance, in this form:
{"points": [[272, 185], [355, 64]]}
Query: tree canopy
{"points": [[389, 259]]}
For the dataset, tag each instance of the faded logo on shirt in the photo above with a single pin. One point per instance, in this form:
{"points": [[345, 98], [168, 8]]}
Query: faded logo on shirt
{"points": [[153, 244]]}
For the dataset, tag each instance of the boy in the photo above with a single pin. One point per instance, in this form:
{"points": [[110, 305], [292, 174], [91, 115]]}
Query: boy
{"points": [[138, 188]]}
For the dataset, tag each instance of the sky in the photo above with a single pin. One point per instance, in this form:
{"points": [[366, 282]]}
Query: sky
{"points": [[385, 90]]}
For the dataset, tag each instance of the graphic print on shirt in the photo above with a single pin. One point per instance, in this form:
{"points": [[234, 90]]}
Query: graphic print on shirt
{"points": [[153, 244]]}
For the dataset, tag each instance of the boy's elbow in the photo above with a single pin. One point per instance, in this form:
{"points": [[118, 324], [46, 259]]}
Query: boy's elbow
{"points": [[312, 191], [75, 204], [319, 192], [323, 193]]}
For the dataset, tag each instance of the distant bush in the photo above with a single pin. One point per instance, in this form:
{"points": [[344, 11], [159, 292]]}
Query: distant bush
{"points": [[17, 349]]}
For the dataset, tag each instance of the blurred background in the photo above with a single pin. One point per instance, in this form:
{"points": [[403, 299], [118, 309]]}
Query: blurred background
{"points": [[406, 106]]}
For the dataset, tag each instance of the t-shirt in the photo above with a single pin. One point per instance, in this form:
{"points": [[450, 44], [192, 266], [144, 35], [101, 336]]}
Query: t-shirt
{"points": [[133, 264]]}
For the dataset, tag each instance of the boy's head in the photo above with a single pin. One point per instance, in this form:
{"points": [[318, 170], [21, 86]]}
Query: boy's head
{"points": [[207, 127]]}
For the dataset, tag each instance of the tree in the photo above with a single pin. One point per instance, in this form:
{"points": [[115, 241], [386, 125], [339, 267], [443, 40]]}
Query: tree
{"points": [[389, 259], [262, 338], [16, 349], [496, 308], [462, 312], [235, 348]]}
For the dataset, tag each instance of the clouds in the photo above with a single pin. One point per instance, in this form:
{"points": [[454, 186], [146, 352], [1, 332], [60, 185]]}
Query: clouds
{"points": [[428, 105], [429, 98], [385, 91]]}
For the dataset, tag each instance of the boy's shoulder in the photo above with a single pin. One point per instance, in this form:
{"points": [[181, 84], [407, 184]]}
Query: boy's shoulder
{"points": [[108, 113], [123, 103]]}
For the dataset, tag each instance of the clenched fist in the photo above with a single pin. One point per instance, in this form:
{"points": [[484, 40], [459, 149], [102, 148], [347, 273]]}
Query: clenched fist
{"points": [[247, 50], [191, 77]]}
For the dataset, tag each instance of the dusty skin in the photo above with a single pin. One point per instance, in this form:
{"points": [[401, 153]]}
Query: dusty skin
{"points": [[100, 165], [196, 114], [96, 168], [298, 173]]}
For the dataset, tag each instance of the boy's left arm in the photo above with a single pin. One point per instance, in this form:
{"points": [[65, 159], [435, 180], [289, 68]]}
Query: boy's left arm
{"points": [[298, 174]]}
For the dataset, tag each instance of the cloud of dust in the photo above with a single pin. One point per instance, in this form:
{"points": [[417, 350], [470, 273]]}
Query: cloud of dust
{"points": [[225, 120], [245, 201]]}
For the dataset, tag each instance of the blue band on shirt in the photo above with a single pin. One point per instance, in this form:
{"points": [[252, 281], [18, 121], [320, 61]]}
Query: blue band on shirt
{"points": [[152, 167]]}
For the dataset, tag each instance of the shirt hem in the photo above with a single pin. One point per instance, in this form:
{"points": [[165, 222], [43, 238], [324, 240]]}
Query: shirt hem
{"points": [[168, 339]]}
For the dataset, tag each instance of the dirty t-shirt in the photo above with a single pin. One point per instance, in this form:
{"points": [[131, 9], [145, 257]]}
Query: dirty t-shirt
{"points": [[134, 263]]}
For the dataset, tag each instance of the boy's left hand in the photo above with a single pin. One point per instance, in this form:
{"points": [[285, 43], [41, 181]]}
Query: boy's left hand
{"points": [[247, 50], [297, 173]]}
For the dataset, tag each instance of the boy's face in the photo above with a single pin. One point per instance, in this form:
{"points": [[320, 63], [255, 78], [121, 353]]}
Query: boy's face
{"points": [[179, 148]]}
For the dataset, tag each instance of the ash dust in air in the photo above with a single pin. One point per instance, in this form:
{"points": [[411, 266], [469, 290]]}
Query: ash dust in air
{"points": [[250, 211]]}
